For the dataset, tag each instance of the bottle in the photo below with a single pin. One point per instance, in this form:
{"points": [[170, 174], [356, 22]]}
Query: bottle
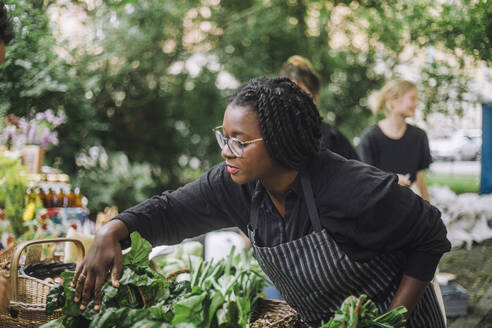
{"points": [[53, 190], [60, 196], [78, 198], [50, 198], [71, 198], [64, 194], [43, 194]]}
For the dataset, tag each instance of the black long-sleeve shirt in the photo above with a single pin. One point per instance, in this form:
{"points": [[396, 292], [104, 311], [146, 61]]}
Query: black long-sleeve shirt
{"points": [[335, 140], [362, 207]]}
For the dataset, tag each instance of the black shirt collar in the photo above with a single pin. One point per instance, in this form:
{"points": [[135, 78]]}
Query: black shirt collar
{"points": [[260, 196]]}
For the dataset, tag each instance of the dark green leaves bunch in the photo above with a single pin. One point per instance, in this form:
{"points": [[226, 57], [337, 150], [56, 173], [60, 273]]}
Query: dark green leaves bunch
{"points": [[363, 313], [218, 295]]}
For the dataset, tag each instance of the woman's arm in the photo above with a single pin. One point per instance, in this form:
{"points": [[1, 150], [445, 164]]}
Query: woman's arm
{"points": [[399, 221], [212, 202], [408, 294], [422, 185]]}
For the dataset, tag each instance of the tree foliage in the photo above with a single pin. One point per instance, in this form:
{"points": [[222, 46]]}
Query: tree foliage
{"points": [[149, 82]]}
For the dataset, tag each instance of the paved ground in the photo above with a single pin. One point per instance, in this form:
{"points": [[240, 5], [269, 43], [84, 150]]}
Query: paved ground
{"points": [[473, 269]]}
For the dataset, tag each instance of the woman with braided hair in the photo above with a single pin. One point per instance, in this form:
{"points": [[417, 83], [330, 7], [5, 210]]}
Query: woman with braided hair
{"points": [[321, 227]]}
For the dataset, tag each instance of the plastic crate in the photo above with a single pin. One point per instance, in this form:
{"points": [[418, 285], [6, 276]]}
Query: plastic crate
{"points": [[455, 299]]}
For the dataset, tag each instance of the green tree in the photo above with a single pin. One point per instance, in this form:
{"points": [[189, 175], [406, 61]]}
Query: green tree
{"points": [[34, 78], [147, 82]]}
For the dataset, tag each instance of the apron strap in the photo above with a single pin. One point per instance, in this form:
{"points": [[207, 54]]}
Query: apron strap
{"points": [[309, 197]]}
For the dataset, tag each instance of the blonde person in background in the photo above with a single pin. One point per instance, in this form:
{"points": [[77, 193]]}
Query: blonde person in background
{"points": [[393, 145], [6, 34]]}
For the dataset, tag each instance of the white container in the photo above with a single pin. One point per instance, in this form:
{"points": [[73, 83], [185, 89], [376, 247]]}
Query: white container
{"points": [[218, 244]]}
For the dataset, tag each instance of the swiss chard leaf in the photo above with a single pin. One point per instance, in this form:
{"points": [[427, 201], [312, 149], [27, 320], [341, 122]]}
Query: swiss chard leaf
{"points": [[189, 309], [57, 323], [118, 317], [55, 299], [139, 253], [109, 292]]}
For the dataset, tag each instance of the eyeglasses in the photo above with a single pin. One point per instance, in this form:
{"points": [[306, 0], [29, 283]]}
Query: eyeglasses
{"points": [[235, 145]]}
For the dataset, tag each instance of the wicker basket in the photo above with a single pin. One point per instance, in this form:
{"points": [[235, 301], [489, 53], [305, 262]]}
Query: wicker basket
{"points": [[5, 258], [275, 314], [28, 294]]}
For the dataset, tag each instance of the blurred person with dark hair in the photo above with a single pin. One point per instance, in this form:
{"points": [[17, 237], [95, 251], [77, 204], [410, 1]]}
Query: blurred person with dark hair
{"points": [[392, 144], [300, 71], [6, 31], [6, 35]]}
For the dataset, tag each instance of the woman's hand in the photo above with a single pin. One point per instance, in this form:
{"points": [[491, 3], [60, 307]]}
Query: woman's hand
{"points": [[4, 300], [403, 180], [104, 255]]}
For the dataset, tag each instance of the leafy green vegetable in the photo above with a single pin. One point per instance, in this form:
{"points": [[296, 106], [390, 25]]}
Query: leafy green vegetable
{"points": [[139, 253], [362, 313], [217, 294], [55, 299]]}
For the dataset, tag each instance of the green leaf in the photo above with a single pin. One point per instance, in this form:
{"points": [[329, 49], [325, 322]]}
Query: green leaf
{"points": [[139, 253], [129, 276], [188, 308], [151, 324], [217, 301], [57, 323], [55, 299], [109, 292], [228, 315]]}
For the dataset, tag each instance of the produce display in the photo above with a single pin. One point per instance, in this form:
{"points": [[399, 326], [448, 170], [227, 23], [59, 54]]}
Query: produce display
{"points": [[212, 294], [217, 294], [362, 313]]}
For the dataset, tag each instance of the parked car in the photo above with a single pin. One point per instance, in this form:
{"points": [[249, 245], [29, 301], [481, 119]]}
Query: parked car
{"points": [[462, 145]]}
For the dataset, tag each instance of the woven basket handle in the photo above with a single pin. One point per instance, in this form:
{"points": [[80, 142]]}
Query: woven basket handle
{"points": [[14, 265], [171, 275]]}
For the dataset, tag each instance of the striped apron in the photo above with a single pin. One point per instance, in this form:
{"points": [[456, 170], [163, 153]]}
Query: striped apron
{"points": [[314, 275]]}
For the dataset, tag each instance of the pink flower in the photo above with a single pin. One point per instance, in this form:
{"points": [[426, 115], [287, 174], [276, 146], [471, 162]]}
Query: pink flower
{"points": [[38, 131]]}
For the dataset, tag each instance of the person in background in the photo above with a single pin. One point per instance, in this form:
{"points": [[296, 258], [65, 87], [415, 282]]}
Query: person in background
{"points": [[6, 35], [300, 70], [393, 145], [321, 227]]}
